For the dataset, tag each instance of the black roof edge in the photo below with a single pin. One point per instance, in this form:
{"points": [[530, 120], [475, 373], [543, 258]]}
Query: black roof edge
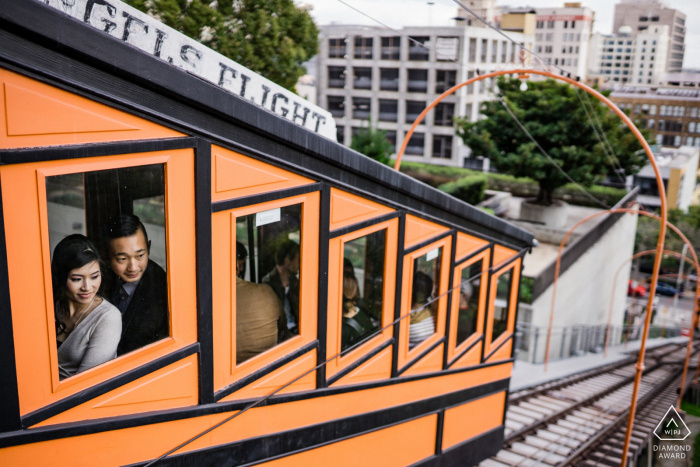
{"points": [[52, 28]]}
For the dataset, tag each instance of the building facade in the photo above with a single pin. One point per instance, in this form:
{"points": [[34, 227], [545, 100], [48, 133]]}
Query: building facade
{"points": [[626, 58], [374, 74], [673, 114], [678, 167], [643, 15]]}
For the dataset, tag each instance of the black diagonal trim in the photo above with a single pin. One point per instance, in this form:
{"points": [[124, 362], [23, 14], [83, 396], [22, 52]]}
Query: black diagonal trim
{"points": [[361, 225], [265, 197]]}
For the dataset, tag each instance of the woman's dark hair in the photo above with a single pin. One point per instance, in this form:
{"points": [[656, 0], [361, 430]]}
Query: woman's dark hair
{"points": [[422, 288], [73, 252]]}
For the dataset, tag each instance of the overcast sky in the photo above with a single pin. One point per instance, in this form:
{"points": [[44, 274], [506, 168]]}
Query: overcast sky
{"points": [[399, 13]]}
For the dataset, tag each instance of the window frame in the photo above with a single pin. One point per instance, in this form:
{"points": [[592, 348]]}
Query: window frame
{"points": [[224, 349], [405, 356], [335, 289], [180, 251], [490, 345], [455, 349]]}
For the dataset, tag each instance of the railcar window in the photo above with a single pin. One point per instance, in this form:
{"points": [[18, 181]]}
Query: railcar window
{"points": [[425, 287], [501, 305], [469, 300], [107, 236], [363, 287], [268, 258]]}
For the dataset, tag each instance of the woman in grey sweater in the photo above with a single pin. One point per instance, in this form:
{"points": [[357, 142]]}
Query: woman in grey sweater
{"points": [[88, 327]]}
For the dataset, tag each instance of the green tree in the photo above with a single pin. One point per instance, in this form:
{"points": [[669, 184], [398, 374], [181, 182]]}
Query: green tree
{"points": [[372, 143], [271, 37], [554, 116]]}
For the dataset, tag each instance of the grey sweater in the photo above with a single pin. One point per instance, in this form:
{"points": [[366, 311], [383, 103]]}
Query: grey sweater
{"points": [[93, 342]]}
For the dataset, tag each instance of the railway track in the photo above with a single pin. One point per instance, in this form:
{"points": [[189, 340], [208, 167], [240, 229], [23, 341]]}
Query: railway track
{"points": [[580, 420]]}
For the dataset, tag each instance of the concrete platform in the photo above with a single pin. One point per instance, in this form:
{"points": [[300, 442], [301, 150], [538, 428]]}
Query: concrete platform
{"points": [[528, 374]]}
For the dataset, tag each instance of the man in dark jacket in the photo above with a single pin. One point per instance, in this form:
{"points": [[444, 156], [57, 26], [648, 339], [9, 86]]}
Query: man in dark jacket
{"points": [[283, 280], [139, 286]]}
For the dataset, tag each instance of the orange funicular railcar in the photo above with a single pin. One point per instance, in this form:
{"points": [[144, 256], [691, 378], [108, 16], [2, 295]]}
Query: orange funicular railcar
{"points": [[393, 305]]}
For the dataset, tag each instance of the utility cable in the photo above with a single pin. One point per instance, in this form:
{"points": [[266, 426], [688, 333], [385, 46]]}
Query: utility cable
{"points": [[566, 175], [339, 354], [605, 137], [615, 166]]}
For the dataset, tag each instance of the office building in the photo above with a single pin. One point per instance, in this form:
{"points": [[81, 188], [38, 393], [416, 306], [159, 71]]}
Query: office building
{"points": [[627, 58], [368, 73], [678, 167], [643, 15]]}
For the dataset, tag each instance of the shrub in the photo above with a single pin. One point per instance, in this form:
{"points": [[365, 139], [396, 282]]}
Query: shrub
{"points": [[469, 189]]}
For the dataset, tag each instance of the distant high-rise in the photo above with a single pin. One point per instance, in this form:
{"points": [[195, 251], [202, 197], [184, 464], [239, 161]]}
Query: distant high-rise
{"points": [[640, 15]]}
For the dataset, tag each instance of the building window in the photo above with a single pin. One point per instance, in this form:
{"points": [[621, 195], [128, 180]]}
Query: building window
{"points": [[388, 110], [391, 137], [445, 79], [566, 24], [504, 51], [361, 108], [336, 106], [550, 24], [442, 146], [362, 78], [363, 47], [389, 79], [413, 110], [661, 126], [484, 50], [643, 19], [444, 114], [652, 109], [340, 134], [391, 48], [470, 87], [539, 24], [573, 25], [676, 140], [416, 144], [121, 211], [650, 123], [336, 77], [419, 49], [494, 51], [549, 37], [655, 18], [472, 50], [337, 48], [417, 81], [694, 112]]}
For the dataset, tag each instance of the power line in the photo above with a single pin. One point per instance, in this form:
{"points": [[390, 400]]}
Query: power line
{"points": [[605, 137], [522, 127]]}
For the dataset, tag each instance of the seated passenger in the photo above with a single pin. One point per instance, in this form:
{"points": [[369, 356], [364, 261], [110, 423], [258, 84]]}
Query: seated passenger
{"points": [[139, 286], [283, 280], [88, 327], [467, 312], [357, 324], [422, 321], [241, 257], [258, 315]]}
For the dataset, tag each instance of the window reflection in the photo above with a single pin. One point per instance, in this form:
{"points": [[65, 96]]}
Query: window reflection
{"points": [[363, 287], [268, 263], [426, 286], [500, 309], [108, 262], [469, 298]]}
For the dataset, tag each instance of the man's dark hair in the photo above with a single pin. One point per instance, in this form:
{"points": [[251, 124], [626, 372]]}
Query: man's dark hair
{"points": [[241, 251], [287, 249], [422, 288], [125, 225]]}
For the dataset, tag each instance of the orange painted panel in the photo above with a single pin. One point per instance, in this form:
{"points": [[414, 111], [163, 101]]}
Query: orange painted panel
{"points": [[279, 378], [335, 290], [376, 368], [174, 386], [428, 364], [406, 355], [348, 209], [226, 371], [503, 353], [150, 441], [419, 230], [398, 445], [466, 244], [27, 234], [471, 358], [36, 114], [235, 175], [501, 254], [466, 421], [454, 349]]}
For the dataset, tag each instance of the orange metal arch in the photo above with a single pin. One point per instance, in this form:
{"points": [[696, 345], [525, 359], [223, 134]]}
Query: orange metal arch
{"points": [[652, 288], [662, 196]]}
